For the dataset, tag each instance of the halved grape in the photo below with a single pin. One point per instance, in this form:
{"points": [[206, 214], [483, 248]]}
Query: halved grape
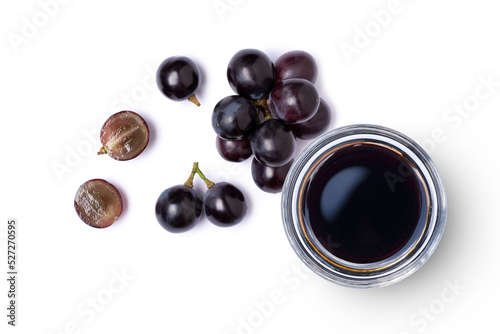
{"points": [[178, 78], [294, 100], [124, 135], [296, 64], [250, 74], [234, 150], [314, 126], [270, 179], [224, 204], [98, 203]]}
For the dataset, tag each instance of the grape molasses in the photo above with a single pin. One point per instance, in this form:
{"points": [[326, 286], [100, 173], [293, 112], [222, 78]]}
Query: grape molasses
{"points": [[364, 203]]}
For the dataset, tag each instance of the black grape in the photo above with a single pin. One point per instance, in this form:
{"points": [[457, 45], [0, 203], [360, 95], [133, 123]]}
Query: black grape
{"points": [[224, 204], [294, 100], [178, 208], [315, 126], [251, 74], [178, 78], [234, 117], [296, 64], [273, 143], [269, 179], [233, 150]]}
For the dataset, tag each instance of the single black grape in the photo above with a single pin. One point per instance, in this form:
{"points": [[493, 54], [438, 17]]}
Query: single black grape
{"points": [[296, 64], [273, 143], [234, 117], [233, 150], [178, 208], [178, 78], [294, 100], [251, 74], [224, 204], [269, 179], [315, 126]]}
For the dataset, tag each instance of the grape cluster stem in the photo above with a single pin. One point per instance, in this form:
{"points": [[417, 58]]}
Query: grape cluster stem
{"points": [[262, 106], [194, 171]]}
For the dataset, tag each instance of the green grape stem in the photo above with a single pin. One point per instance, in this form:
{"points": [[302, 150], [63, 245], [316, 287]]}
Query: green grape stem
{"points": [[193, 99], [102, 151], [194, 171], [189, 181], [262, 106]]}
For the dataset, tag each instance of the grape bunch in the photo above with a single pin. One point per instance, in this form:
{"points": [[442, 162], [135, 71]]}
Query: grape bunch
{"points": [[178, 208], [275, 103]]}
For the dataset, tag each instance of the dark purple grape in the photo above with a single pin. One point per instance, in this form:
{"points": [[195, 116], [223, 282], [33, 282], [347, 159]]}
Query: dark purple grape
{"points": [[124, 135], [251, 74], [234, 117], [224, 204], [315, 126], [273, 143], [234, 150], [178, 209], [98, 203], [178, 78], [269, 179], [294, 100], [296, 64]]}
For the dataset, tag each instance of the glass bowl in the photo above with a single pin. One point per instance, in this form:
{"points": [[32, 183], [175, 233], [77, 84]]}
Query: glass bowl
{"points": [[399, 231]]}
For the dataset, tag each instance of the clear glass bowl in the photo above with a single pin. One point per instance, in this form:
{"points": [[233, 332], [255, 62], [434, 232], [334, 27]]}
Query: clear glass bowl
{"points": [[363, 275]]}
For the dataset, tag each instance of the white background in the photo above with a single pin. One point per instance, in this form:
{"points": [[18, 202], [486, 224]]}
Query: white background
{"points": [[63, 73]]}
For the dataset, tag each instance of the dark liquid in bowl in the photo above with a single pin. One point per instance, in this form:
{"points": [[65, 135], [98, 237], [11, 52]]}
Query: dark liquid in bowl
{"points": [[365, 202]]}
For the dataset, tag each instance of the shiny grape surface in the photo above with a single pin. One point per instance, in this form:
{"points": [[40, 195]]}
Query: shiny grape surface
{"points": [[250, 73], [234, 150], [294, 100], [178, 77], [315, 126], [178, 209], [269, 179], [273, 143], [296, 64], [234, 117], [224, 204]]}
